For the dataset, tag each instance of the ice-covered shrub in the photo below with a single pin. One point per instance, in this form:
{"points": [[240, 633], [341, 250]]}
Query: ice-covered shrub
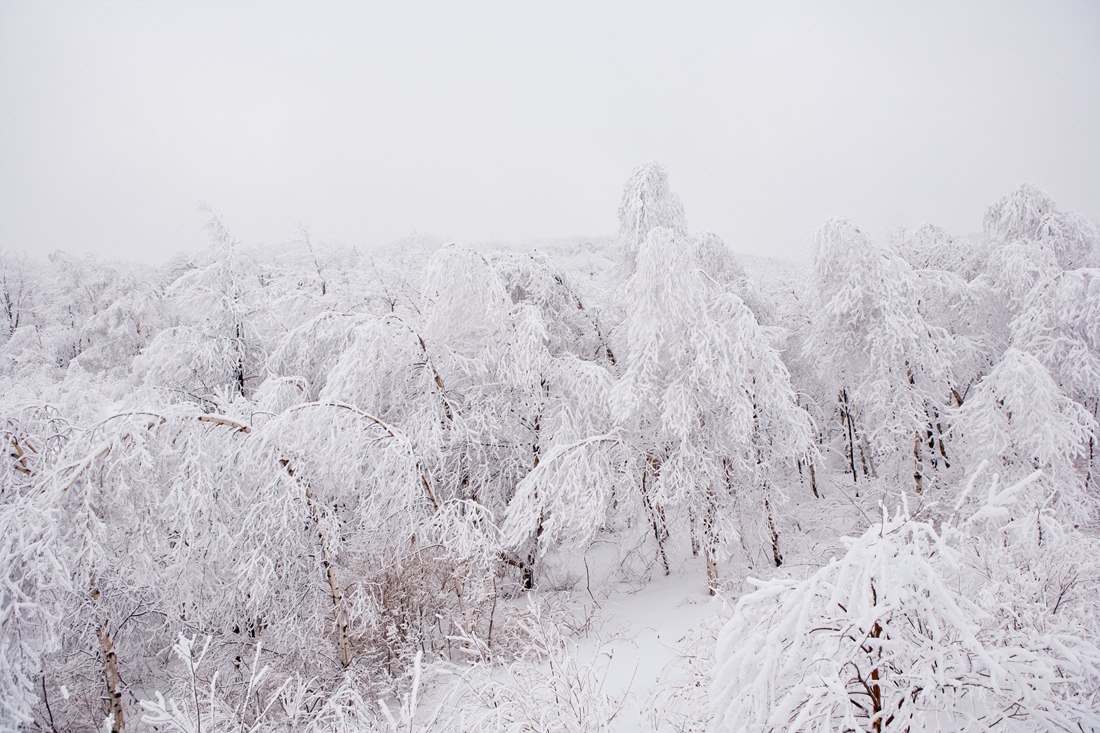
{"points": [[550, 686]]}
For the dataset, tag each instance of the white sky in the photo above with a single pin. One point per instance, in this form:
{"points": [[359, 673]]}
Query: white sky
{"points": [[477, 121]]}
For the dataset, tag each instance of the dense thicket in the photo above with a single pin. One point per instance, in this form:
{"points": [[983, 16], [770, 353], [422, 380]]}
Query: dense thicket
{"points": [[261, 488]]}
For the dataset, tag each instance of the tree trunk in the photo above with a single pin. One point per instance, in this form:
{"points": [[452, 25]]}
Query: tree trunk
{"points": [[238, 377], [528, 568], [876, 689], [112, 678], [865, 449], [536, 427], [1088, 475], [776, 555], [872, 685], [710, 541], [341, 613], [693, 530], [846, 417], [939, 441], [339, 605], [656, 515], [918, 478], [712, 570]]}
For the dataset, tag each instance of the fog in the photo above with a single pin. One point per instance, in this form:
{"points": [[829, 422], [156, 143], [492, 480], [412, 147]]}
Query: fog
{"points": [[508, 121]]}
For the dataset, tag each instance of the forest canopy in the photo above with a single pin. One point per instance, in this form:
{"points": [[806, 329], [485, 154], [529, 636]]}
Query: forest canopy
{"points": [[312, 487]]}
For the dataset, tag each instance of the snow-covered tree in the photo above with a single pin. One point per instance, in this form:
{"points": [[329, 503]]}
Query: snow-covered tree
{"points": [[51, 307], [571, 327], [895, 636], [719, 264], [318, 534], [890, 367], [1014, 270], [703, 396], [16, 289], [348, 498], [970, 318], [1060, 324], [122, 328], [500, 340], [1020, 419], [929, 247], [117, 548], [216, 346], [310, 351], [1030, 215], [647, 203]]}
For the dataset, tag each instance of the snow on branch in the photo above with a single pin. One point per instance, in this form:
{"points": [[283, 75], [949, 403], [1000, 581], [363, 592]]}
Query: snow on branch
{"points": [[886, 638]]}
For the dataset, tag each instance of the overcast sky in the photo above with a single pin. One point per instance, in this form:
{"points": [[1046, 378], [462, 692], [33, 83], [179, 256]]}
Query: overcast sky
{"points": [[510, 121]]}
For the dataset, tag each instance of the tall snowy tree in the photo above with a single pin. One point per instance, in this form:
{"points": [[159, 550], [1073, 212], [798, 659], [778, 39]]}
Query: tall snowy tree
{"points": [[647, 203], [890, 367], [703, 396]]}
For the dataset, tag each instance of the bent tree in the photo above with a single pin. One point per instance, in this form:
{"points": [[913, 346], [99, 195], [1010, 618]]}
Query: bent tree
{"points": [[110, 555]]}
